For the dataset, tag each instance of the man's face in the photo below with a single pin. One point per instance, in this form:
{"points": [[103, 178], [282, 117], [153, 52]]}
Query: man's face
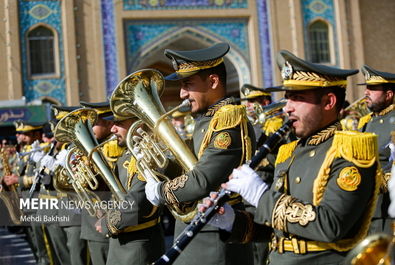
{"points": [[196, 90], [102, 128], [305, 111], [378, 99], [30, 137], [19, 138], [120, 129]]}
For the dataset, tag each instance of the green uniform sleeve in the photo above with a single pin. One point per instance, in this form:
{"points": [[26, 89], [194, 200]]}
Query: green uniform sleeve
{"points": [[339, 214], [212, 169]]}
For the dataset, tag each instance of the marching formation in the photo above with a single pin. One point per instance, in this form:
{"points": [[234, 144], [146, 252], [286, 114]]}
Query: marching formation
{"points": [[303, 180]]}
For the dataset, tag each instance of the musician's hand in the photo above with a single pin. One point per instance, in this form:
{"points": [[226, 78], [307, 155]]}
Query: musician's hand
{"points": [[61, 158], [36, 156], [48, 162], [151, 189], [10, 179], [225, 216], [98, 225], [246, 182]]}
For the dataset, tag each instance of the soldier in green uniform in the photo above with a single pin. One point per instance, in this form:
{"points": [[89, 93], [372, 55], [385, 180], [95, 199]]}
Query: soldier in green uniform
{"points": [[31, 134], [98, 243], [326, 183], [380, 87], [222, 139], [70, 248], [136, 236]]}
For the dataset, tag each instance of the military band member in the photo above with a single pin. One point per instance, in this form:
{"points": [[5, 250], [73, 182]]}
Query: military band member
{"points": [[379, 92], [326, 183], [136, 236], [98, 243], [30, 134], [65, 235], [222, 139]]}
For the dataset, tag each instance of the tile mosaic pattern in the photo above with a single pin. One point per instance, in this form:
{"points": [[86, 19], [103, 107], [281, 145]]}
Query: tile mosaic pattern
{"points": [[319, 9], [110, 46], [264, 36], [183, 4], [140, 34], [48, 13]]}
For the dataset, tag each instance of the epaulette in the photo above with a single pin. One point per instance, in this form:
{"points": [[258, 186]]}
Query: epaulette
{"points": [[272, 125], [227, 117], [356, 147], [363, 120], [64, 146], [361, 150], [45, 146], [285, 151], [112, 149]]}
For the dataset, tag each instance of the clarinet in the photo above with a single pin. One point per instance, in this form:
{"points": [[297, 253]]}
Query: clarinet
{"points": [[201, 219]]}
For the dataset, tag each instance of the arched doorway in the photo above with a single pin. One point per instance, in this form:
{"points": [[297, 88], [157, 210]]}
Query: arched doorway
{"points": [[189, 38]]}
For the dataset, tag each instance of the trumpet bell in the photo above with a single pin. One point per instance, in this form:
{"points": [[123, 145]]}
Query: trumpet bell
{"points": [[374, 249], [76, 127], [136, 87]]}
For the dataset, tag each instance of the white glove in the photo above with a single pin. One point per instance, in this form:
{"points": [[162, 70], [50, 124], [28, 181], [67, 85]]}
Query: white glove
{"points": [[61, 158], [391, 190], [151, 188], [247, 183], [48, 162], [36, 145], [36, 156], [224, 221]]}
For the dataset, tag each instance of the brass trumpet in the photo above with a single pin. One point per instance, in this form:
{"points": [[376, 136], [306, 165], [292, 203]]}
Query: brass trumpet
{"points": [[262, 113], [138, 95]]}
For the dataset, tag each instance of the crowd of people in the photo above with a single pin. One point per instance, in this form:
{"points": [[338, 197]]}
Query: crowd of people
{"points": [[322, 189]]}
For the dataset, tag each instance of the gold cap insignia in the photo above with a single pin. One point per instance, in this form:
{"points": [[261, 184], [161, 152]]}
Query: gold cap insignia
{"points": [[349, 179], [222, 140]]}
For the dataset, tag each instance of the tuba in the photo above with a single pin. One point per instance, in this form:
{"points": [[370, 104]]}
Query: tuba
{"points": [[9, 195], [138, 95], [76, 127]]}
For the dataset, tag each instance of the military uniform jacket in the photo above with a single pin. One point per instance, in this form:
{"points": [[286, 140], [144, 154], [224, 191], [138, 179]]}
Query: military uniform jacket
{"points": [[320, 199], [382, 124], [136, 213], [219, 151]]}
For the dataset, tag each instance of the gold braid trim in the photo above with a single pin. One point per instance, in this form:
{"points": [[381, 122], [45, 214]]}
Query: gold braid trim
{"points": [[285, 152], [272, 125], [311, 76], [288, 209], [194, 66], [112, 149], [229, 116], [363, 120], [386, 110], [278, 216], [170, 186], [324, 134], [360, 149], [112, 220]]}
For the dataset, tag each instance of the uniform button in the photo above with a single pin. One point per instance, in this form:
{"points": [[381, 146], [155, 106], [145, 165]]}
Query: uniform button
{"points": [[298, 180], [381, 121], [203, 130], [312, 153]]}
